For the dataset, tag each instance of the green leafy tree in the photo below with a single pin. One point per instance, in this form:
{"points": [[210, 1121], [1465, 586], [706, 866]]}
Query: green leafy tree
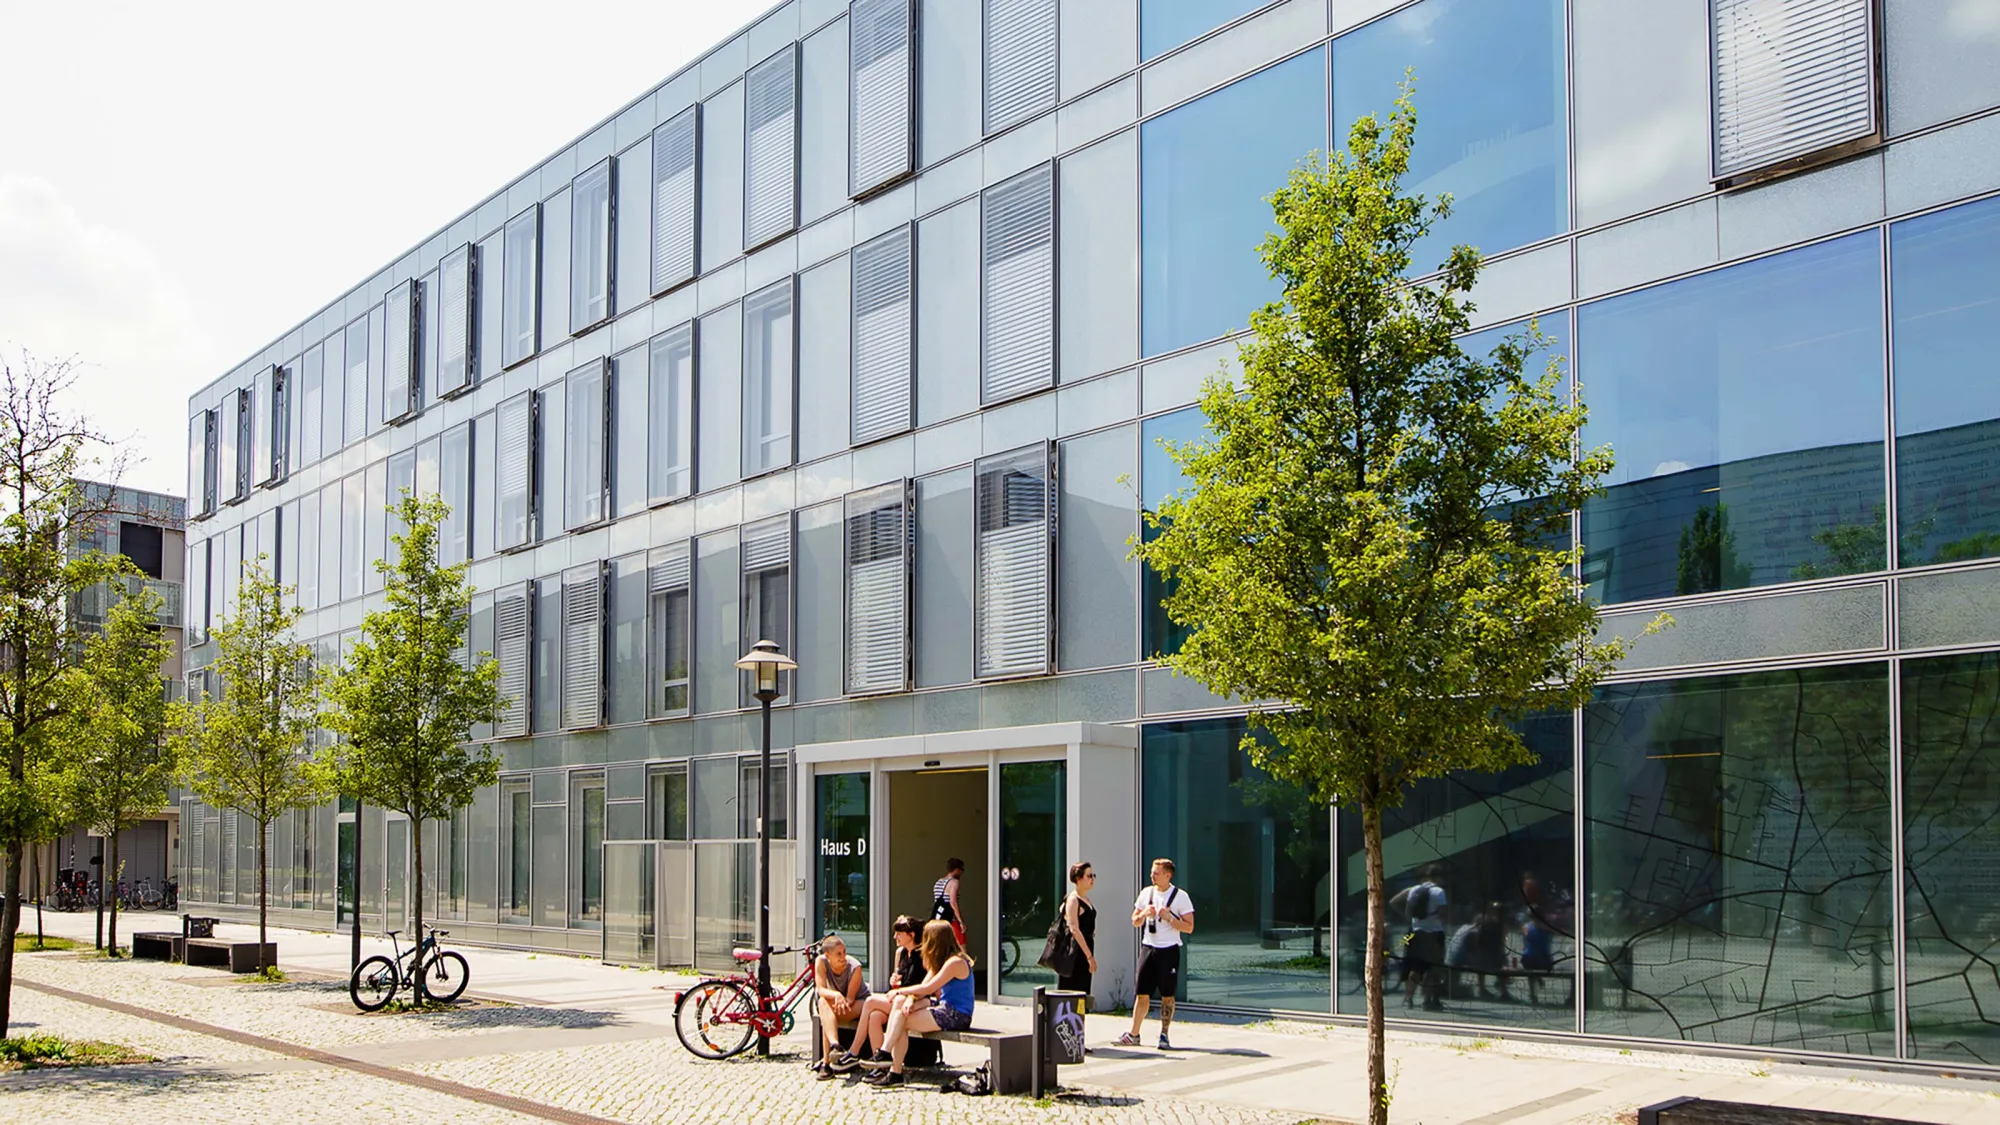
{"points": [[1372, 541], [43, 512], [246, 743], [121, 763], [1708, 561], [405, 700]]}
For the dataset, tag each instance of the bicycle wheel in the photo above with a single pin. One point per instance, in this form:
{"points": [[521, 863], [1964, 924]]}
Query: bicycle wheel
{"points": [[713, 1019], [444, 977], [373, 984]]}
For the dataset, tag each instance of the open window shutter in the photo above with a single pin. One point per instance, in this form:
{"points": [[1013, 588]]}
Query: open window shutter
{"points": [[278, 409], [588, 442], [261, 397], [1020, 60], [515, 450], [457, 339], [878, 589], [770, 148], [513, 636], [676, 223], [1014, 552], [399, 353], [1018, 313], [583, 646], [1792, 77], [883, 338], [246, 442], [881, 92]]}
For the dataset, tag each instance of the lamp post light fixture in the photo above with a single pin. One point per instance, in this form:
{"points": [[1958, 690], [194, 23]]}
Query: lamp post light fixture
{"points": [[764, 662]]}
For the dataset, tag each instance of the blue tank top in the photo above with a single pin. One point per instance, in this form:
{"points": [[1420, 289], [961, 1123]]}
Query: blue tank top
{"points": [[957, 994]]}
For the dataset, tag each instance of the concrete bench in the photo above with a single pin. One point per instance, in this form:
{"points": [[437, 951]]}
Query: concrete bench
{"points": [[159, 945], [1010, 1056], [1534, 977], [1701, 1111], [236, 956]]}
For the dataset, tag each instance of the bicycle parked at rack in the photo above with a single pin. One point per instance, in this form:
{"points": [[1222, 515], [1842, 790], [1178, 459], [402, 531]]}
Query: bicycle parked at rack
{"points": [[432, 972], [720, 1016]]}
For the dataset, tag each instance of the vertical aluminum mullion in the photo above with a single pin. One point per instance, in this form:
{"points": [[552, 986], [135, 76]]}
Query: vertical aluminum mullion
{"points": [[1333, 910]]}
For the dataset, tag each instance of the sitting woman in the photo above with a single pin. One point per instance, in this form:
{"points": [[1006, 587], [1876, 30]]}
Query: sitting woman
{"points": [[948, 988], [874, 1025], [840, 990]]}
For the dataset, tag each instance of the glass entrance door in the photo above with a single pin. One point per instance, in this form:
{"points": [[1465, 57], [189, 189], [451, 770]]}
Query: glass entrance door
{"points": [[840, 803], [1032, 868]]}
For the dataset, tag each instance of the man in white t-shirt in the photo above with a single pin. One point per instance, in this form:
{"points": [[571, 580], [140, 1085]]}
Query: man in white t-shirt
{"points": [[1424, 956], [1162, 912]]}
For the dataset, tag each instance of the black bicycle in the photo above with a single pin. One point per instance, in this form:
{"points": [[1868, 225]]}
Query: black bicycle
{"points": [[433, 973]]}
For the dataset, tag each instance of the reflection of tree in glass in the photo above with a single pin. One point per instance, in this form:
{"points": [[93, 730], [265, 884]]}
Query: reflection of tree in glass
{"points": [[1856, 548], [1308, 845], [1708, 559]]}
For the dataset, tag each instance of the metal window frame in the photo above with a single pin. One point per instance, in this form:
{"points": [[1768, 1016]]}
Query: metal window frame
{"points": [[908, 233], [686, 427], [460, 267], [1874, 137], [404, 300], [1051, 486], [1051, 170], [756, 304], [511, 334], [656, 284], [601, 368], [907, 493], [856, 190], [608, 169], [656, 625], [754, 241]]}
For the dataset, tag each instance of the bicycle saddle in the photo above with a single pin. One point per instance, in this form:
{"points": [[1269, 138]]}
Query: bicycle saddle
{"points": [[748, 955], [391, 933]]}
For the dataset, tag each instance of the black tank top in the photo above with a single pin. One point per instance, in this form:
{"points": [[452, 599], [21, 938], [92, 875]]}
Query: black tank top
{"points": [[1086, 921]]}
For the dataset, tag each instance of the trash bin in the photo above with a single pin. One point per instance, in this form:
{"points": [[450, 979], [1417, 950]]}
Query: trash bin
{"points": [[194, 926], [1058, 1034]]}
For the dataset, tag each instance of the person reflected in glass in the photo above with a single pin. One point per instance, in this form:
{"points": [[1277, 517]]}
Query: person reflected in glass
{"points": [[874, 1022], [941, 1002], [1423, 904], [1081, 917], [944, 898], [840, 990]]}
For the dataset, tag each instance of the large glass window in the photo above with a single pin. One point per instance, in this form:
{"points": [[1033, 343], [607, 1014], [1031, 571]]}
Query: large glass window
{"points": [[1737, 843], [676, 225], [353, 554], [841, 804], [667, 590], [1159, 478], [518, 844], [587, 473], [521, 277], [1498, 850], [767, 594], [354, 423], [545, 696], [1034, 866], [1951, 787], [1166, 24], [1724, 479], [670, 457], [625, 671], [1205, 171], [1491, 127], [1944, 282], [455, 486], [629, 420], [768, 377], [771, 148], [334, 417], [311, 403], [515, 505], [1251, 852], [587, 796], [667, 802], [590, 241]]}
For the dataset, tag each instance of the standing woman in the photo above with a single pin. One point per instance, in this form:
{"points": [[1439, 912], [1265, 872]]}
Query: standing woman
{"points": [[1081, 918], [949, 991], [944, 895]]}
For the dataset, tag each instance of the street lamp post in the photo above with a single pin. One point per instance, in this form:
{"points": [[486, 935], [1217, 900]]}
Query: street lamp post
{"points": [[764, 662]]}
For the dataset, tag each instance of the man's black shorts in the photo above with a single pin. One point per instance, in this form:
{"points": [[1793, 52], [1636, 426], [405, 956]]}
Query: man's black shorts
{"points": [[1159, 970]]}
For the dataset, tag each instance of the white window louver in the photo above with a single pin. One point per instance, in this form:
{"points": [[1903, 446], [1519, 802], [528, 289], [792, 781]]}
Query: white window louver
{"points": [[514, 447], [767, 545], [668, 573], [583, 646], [770, 148], [399, 353], [1020, 60], [513, 637], [1792, 77], [1013, 550], [676, 218], [878, 589], [1018, 279], [457, 339], [883, 337], [881, 93]]}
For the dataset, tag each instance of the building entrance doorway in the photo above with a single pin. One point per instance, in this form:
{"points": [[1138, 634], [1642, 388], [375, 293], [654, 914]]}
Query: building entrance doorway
{"points": [[936, 815]]}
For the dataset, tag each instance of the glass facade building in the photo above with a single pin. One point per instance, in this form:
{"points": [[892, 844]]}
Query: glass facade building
{"points": [[860, 333]]}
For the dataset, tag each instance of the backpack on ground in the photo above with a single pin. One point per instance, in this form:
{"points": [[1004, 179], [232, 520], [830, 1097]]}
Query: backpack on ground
{"points": [[974, 1084]]}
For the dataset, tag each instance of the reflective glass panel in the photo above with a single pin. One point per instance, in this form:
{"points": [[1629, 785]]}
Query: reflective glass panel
{"points": [[1491, 128], [1736, 849], [1160, 477], [1951, 787], [1251, 852], [1205, 171], [841, 804], [1483, 865], [1166, 24], [1034, 845], [1944, 284], [1744, 407]]}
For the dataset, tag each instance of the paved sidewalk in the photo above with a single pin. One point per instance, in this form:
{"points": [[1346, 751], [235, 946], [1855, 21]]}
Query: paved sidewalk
{"points": [[579, 1040]]}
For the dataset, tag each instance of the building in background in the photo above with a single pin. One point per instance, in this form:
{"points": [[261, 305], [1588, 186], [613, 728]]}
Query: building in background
{"points": [[150, 530], [859, 334]]}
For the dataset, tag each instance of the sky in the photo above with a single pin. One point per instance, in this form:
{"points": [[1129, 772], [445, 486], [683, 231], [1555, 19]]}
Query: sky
{"points": [[182, 183]]}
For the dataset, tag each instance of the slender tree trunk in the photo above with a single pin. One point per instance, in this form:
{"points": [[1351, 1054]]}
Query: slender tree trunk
{"points": [[40, 937], [417, 903], [1378, 1079], [263, 898], [111, 880], [10, 922]]}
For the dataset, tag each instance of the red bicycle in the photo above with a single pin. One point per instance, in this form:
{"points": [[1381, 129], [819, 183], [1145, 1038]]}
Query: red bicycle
{"points": [[719, 1016]]}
